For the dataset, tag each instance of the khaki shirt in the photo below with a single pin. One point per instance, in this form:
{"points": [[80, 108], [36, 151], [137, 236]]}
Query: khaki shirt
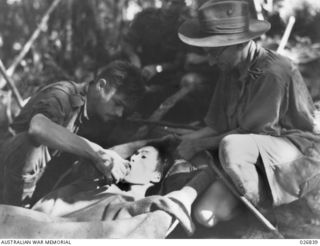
{"points": [[267, 95], [59, 102], [21, 162]]}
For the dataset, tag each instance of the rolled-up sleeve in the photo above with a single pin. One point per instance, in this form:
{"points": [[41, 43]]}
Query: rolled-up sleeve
{"points": [[55, 105]]}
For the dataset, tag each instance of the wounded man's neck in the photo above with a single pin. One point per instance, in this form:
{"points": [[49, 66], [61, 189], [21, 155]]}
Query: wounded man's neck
{"points": [[138, 191]]}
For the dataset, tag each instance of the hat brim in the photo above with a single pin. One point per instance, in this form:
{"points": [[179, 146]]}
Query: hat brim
{"points": [[190, 32]]}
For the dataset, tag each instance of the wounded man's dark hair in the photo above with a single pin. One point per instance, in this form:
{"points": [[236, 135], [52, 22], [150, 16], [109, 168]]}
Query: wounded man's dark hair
{"points": [[165, 157], [165, 161]]}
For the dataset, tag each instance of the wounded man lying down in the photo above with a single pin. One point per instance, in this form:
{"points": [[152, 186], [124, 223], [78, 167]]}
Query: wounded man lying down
{"points": [[88, 208], [147, 166]]}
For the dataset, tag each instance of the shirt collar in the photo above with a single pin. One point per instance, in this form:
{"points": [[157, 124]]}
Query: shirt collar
{"points": [[246, 68], [85, 106], [82, 90]]}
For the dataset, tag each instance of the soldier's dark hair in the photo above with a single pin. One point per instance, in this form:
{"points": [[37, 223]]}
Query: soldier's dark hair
{"points": [[125, 78]]}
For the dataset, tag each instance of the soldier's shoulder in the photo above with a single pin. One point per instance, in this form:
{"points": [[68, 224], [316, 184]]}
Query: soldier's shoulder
{"points": [[276, 65]]}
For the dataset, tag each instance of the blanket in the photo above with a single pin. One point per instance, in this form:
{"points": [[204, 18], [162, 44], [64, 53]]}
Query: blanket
{"points": [[106, 216]]}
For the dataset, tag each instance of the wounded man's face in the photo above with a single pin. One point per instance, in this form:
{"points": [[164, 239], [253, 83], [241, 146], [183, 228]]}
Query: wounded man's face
{"points": [[144, 165]]}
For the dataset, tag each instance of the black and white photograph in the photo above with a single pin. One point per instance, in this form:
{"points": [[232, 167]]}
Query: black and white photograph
{"points": [[159, 119]]}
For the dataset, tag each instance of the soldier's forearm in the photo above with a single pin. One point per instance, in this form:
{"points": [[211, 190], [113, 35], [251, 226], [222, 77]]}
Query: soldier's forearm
{"points": [[45, 132], [202, 133], [212, 143]]}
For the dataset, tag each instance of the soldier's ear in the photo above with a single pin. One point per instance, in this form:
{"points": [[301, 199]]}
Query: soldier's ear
{"points": [[101, 84]]}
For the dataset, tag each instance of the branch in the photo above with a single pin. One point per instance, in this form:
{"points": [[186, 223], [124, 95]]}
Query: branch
{"points": [[30, 42], [286, 34], [163, 109], [11, 84]]}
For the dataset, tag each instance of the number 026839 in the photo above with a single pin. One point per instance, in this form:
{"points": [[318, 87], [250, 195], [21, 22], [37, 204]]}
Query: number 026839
{"points": [[309, 242]]}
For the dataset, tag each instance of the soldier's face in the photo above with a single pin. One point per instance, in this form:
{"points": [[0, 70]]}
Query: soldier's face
{"points": [[107, 104], [225, 58], [111, 105]]}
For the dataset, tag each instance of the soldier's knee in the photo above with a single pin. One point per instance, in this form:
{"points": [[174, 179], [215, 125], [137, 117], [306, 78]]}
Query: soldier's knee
{"points": [[228, 149], [236, 151]]}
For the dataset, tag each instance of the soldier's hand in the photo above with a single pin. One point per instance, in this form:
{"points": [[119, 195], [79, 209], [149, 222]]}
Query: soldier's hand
{"points": [[187, 149], [120, 169], [112, 166]]}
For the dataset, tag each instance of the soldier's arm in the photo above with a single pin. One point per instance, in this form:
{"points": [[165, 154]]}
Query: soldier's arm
{"points": [[205, 139], [212, 142], [202, 133], [43, 131]]}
